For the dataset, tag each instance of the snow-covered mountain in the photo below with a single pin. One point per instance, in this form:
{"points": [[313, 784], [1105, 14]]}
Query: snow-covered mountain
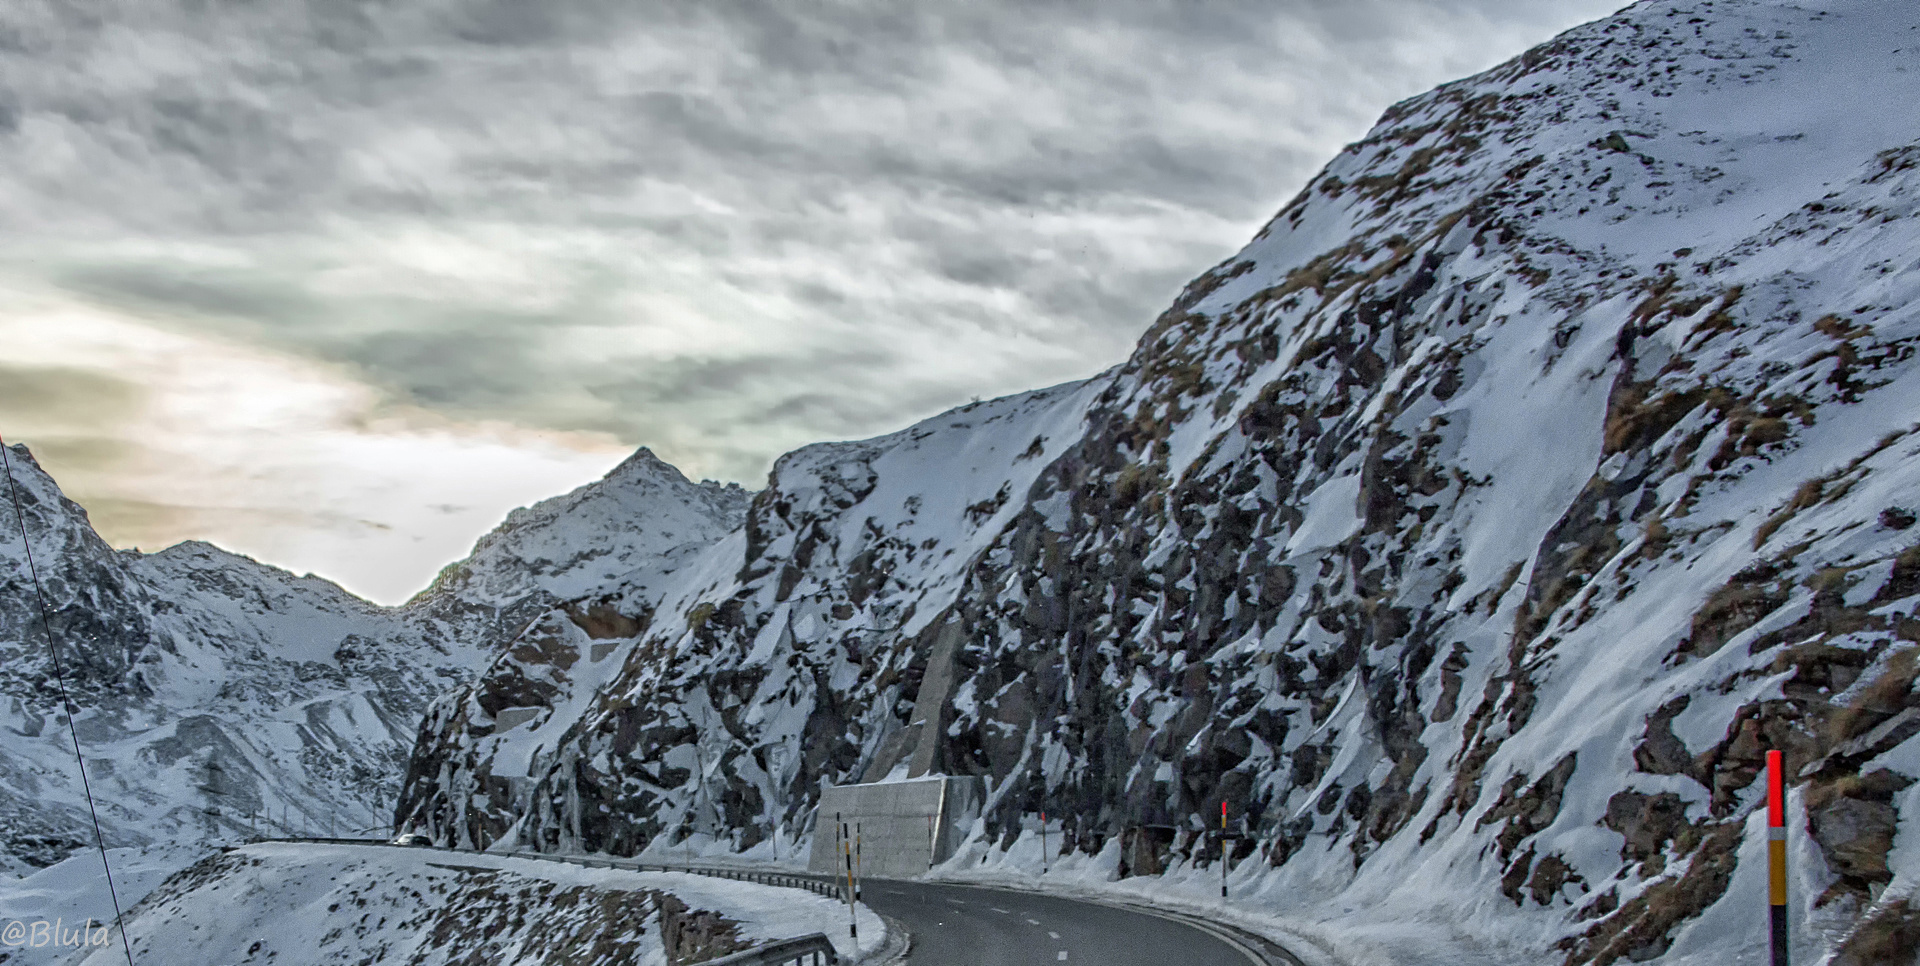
{"points": [[1472, 533], [218, 695], [792, 629], [632, 527]]}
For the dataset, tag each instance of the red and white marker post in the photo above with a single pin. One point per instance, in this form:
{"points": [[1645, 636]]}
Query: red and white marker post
{"points": [[1777, 856]]}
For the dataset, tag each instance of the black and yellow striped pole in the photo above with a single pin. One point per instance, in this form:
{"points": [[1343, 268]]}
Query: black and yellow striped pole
{"points": [[846, 850], [1777, 856], [1043, 841]]}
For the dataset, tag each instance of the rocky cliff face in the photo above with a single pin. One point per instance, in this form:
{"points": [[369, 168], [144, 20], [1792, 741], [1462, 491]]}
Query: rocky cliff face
{"points": [[1472, 533], [218, 696], [798, 634]]}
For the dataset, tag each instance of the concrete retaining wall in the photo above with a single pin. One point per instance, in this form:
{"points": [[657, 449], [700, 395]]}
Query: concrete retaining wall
{"points": [[904, 827]]}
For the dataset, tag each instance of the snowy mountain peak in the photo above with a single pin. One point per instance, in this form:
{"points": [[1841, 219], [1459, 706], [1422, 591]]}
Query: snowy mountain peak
{"points": [[200, 560], [48, 512], [227, 695], [208, 687], [630, 524], [643, 465]]}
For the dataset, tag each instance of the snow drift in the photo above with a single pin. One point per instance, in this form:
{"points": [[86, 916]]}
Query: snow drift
{"points": [[360, 904]]}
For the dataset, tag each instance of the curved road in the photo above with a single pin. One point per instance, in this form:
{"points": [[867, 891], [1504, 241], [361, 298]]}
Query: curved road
{"points": [[965, 925], [972, 926]]}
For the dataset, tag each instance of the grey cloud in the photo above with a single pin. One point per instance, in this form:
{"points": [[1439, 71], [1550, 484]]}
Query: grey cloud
{"points": [[70, 418], [233, 304], [74, 421], [1025, 184], [128, 522], [727, 378], [152, 525], [63, 398], [484, 369], [69, 455]]}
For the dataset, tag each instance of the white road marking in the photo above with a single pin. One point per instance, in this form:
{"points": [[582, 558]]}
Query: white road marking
{"points": [[998, 909], [1033, 922], [1052, 935], [1063, 955]]}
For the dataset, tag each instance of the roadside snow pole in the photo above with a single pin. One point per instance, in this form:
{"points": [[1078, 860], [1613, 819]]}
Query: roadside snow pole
{"points": [[1043, 841], [1777, 855], [932, 843], [853, 919], [859, 876], [1223, 850]]}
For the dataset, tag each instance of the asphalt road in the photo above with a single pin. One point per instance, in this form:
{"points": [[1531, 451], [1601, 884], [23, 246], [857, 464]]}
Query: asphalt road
{"points": [[969, 926], [954, 925]]}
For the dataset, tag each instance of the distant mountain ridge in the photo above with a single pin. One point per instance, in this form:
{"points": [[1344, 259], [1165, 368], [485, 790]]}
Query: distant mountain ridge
{"points": [[221, 695]]}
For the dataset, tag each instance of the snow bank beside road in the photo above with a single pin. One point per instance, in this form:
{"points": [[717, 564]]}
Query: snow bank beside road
{"points": [[72, 892], [343, 904]]}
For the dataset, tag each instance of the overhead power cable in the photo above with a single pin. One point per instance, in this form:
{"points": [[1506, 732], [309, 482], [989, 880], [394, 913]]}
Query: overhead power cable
{"points": [[60, 677]]}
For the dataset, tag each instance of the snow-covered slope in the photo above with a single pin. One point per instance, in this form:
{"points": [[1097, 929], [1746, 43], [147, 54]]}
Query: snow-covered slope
{"points": [[215, 694], [844, 561], [72, 893], [220, 696], [1471, 533]]}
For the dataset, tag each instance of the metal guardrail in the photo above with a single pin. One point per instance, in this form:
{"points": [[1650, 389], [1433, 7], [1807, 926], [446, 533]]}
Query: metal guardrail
{"points": [[785, 880], [818, 885], [814, 950]]}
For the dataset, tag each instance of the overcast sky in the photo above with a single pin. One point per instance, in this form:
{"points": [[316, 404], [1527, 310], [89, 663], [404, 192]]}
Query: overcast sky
{"points": [[337, 283]]}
